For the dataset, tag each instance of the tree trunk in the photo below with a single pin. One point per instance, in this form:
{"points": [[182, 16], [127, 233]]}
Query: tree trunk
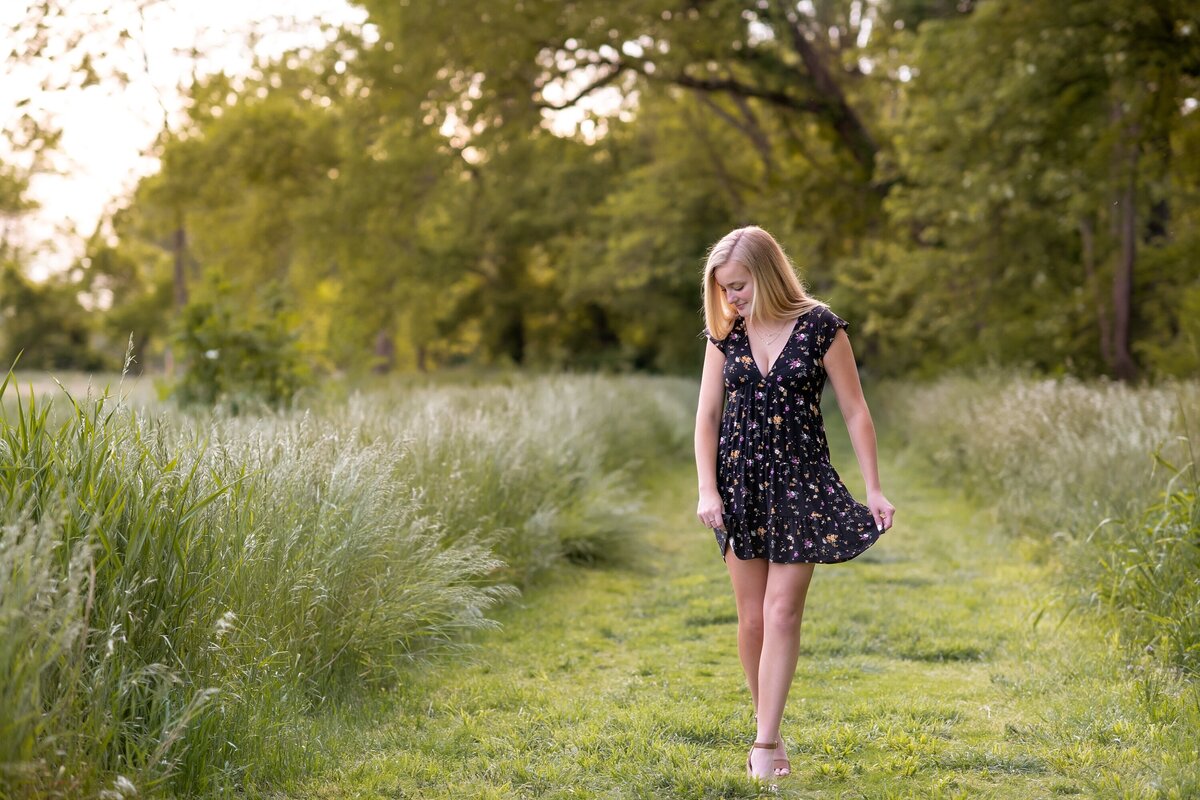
{"points": [[512, 335], [179, 253], [1124, 366], [179, 250], [1087, 239], [836, 108], [1124, 220], [385, 353]]}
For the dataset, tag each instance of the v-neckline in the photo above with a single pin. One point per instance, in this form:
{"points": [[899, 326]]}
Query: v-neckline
{"points": [[779, 355]]}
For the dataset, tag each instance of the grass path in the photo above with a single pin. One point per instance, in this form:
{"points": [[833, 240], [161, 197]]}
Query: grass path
{"points": [[921, 674]]}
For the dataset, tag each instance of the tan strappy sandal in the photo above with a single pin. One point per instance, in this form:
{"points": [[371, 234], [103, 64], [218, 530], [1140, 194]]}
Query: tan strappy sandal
{"points": [[786, 769], [787, 765], [765, 746]]}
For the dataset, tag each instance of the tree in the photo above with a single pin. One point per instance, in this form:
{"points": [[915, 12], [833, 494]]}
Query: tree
{"points": [[44, 323], [799, 91], [1041, 154], [945, 173]]}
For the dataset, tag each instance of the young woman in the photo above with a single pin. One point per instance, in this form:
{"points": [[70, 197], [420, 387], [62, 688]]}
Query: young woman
{"points": [[767, 488]]}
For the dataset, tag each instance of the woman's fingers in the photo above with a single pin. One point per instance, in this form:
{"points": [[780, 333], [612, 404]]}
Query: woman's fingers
{"points": [[884, 515], [710, 517], [888, 515]]}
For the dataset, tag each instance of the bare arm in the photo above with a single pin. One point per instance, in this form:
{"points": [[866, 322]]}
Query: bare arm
{"points": [[843, 374], [708, 426]]}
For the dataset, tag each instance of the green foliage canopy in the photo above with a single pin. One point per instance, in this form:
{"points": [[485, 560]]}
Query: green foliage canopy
{"points": [[966, 181]]}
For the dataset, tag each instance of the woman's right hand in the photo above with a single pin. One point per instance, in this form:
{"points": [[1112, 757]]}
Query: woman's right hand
{"points": [[710, 510]]}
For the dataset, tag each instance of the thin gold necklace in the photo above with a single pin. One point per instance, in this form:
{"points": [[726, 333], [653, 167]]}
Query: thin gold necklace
{"points": [[770, 340]]}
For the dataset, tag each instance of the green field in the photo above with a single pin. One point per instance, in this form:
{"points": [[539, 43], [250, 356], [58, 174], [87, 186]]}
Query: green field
{"points": [[930, 667], [499, 589]]}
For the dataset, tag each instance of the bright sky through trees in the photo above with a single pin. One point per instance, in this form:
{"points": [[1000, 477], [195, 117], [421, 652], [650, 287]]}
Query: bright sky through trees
{"points": [[108, 128]]}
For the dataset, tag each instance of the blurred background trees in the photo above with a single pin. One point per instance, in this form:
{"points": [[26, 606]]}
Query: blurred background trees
{"points": [[1010, 182]]}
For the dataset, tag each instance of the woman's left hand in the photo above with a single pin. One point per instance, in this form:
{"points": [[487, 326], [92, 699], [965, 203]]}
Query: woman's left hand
{"points": [[883, 511]]}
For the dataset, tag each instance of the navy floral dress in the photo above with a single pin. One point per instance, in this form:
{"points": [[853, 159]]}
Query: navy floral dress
{"points": [[783, 500]]}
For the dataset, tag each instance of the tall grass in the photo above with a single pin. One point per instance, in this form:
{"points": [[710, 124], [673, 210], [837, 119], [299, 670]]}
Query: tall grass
{"points": [[1099, 474], [177, 592], [1146, 567]]}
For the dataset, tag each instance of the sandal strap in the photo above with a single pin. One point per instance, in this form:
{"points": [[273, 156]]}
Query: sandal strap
{"points": [[767, 745]]}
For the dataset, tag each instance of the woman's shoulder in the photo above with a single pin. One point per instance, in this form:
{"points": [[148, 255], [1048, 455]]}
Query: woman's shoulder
{"points": [[824, 325], [814, 313], [736, 330], [735, 327]]}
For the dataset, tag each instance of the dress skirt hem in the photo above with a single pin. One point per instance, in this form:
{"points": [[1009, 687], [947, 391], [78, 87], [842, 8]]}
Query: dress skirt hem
{"points": [[795, 540]]}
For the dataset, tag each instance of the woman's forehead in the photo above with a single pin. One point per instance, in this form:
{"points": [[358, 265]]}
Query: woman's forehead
{"points": [[731, 271]]}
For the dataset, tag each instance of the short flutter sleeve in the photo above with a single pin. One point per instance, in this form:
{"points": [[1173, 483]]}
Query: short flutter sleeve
{"points": [[720, 343], [827, 328]]}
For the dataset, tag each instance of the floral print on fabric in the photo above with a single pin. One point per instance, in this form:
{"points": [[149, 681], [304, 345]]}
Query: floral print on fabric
{"points": [[783, 500]]}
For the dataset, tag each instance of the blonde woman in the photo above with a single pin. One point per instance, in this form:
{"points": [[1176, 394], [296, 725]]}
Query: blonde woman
{"points": [[767, 488]]}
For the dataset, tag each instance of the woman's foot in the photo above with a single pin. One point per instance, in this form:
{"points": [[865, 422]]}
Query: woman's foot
{"points": [[782, 766], [759, 762]]}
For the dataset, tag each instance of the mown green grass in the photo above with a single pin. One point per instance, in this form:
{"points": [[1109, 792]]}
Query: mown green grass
{"points": [[1099, 477], [931, 667]]}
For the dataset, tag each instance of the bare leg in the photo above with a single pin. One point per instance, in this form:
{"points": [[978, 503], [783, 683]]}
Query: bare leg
{"points": [[749, 580], [783, 609]]}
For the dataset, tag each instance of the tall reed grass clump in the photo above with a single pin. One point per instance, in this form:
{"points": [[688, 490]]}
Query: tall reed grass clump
{"points": [[178, 591], [1099, 474], [1147, 567]]}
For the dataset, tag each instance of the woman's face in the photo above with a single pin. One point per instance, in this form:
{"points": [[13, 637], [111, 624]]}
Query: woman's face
{"points": [[737, 285]]}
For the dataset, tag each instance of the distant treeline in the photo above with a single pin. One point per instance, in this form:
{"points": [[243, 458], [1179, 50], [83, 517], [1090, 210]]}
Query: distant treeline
{"points": [[965, 181]]}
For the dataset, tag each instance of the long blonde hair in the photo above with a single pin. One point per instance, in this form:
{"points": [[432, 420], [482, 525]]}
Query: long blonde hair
{"points": [[778, 292]]}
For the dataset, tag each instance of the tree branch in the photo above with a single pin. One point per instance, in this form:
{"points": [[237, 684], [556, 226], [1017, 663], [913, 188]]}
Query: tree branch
{"points": [[723, 176], [835, 108], [736, 87], [616, 69], [750, 130]]}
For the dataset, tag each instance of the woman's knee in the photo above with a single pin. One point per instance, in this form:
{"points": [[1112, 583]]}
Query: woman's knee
{"points": [[782, 614], [750, 621]]}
